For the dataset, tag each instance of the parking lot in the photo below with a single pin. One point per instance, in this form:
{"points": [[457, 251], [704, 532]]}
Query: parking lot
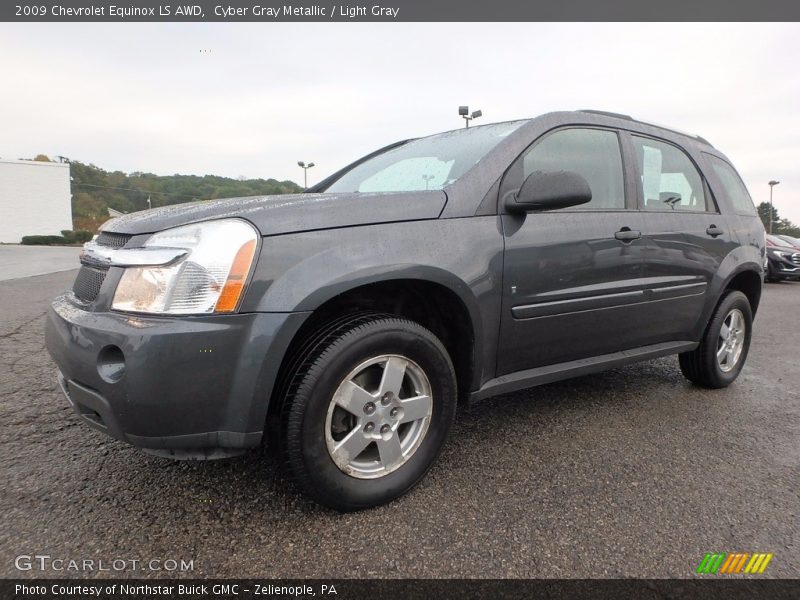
{"points": [[27, 261], [632, 473]]}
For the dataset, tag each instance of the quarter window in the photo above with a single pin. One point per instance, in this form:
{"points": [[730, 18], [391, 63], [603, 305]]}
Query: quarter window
{"points": [[592, 153], [669, 179], [733, 185]]}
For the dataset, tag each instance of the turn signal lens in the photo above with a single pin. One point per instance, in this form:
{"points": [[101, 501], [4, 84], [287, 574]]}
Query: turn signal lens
{"points": [[234, 284]]}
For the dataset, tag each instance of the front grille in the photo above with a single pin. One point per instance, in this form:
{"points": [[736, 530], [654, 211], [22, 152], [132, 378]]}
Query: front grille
{"points": [[796, 259], [88, 282], [115, 240], [90, 278]]}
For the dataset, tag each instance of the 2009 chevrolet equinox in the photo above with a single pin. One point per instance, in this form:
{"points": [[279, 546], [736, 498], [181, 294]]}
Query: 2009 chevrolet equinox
{"points": [[345, 324]]}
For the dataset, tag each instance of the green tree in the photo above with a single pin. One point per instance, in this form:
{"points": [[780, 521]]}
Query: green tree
{"points": [[95, 190], [779, 226], [786, 227], [764, 214]]}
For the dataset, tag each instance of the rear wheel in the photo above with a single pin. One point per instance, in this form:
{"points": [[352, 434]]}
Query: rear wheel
{"points": [[367, 411], [719, 359]]}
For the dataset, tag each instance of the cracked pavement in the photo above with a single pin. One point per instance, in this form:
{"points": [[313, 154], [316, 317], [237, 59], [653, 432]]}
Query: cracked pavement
{"points": [[630, 473]]}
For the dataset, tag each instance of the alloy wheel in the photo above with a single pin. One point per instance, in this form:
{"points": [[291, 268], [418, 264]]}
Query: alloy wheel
{"points": [[731, 340], [378, 416]]}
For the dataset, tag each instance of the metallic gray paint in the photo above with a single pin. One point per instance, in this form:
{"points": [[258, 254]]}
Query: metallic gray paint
{"points": [[183, 376], [549, 295], [274, 215], [300, 272]]}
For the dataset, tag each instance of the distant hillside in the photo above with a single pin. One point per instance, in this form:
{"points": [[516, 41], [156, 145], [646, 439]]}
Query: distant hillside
{"points": [[95, 190]]}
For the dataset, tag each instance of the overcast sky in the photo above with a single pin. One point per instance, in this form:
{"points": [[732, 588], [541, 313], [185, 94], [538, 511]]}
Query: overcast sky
{"points": [[260, 97]]}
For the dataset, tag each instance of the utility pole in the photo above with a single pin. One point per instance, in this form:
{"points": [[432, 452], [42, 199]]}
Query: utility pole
{"points": [[771, 184]]}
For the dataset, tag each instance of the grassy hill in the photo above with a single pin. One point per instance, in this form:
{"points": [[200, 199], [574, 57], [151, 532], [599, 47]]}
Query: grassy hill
{"points": [[95, 190]]}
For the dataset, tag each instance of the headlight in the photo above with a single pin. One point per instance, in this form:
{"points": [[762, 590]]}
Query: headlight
{"points": [[783, 255], [210, 278]]}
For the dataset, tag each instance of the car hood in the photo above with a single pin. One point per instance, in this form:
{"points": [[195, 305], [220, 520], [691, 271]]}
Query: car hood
{"points": [[290, 213]]}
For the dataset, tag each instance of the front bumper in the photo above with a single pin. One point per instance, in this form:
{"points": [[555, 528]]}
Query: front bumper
{"points": [[781, 268], [186, 387]]}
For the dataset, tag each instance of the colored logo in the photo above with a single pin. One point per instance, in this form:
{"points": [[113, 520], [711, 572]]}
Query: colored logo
{"points": [[734, 562]]}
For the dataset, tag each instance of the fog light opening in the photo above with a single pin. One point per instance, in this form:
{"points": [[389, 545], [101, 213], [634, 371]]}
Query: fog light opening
{"points": [[111, 364]]}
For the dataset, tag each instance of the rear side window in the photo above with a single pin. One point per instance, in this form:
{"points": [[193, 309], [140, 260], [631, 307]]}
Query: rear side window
{"points": [[733, 185], [592, 153], [669, 179]]}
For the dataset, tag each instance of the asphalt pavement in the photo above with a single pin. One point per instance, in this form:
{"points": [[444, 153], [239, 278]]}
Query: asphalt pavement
{"points": [[631, 473]]}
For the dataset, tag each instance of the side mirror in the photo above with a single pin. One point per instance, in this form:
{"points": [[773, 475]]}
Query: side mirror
{"points": [[550, 190]]}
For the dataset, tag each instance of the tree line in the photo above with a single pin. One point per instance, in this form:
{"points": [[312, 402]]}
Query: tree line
{"points": [[779, 226], [95, 190]]}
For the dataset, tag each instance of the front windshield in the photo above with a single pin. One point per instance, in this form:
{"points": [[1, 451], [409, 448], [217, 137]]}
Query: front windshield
{"points": [[428, 163]]}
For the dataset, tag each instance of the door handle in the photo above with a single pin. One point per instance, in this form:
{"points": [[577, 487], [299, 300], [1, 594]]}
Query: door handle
{"points": [[714, 231], [627, 235]]}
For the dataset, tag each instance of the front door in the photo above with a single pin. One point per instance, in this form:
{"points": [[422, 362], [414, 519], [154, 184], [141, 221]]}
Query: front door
{"points": [[573, 284]]}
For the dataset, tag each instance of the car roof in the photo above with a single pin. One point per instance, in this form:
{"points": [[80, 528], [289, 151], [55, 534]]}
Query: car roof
{"points": [[648, 123], [595, 113]]}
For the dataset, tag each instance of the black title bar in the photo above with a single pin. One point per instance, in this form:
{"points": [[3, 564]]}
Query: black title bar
{"points": [[705, 588], [268, 11]]}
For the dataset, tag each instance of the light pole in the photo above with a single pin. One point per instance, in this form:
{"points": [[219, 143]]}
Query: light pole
{"points": [[305, 168], [463, 111], [771, 184]]}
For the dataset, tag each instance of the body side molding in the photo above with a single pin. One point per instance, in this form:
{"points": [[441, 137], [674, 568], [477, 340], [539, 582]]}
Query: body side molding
{"points": [[575, 368]]}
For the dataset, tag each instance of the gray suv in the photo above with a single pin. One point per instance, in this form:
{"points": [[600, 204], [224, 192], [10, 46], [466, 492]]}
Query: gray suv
{"points": [[344, 325]]}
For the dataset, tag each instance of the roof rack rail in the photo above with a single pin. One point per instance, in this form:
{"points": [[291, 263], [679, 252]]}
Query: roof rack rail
{"points": [[607, 113], [630, 118]]}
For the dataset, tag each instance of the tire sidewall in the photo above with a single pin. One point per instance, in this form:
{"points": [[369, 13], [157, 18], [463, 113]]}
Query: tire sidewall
{"points": [[732, 300], [334, 365]]}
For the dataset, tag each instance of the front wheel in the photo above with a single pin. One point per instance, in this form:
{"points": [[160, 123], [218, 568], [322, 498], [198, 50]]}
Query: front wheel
{"points": [[368, 411], [719, 359]]}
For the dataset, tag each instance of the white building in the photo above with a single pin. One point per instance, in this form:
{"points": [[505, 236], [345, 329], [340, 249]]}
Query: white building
{"points": [[34, 199]]}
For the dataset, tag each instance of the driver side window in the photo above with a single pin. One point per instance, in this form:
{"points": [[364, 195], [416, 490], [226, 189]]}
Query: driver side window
{"points": [[592, 153]]}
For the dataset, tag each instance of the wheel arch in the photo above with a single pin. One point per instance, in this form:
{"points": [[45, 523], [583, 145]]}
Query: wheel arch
{"points": [[749, 282], [434, 298]]}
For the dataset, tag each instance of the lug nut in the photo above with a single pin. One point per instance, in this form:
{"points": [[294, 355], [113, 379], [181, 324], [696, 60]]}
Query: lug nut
{"points": [[369, 408], [393, 412], [385, 429], [369, 427], [387, 398]]}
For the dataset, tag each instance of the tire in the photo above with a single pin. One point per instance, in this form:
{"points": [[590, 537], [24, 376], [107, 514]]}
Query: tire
{"points": [[398, 413], [702, 366]]}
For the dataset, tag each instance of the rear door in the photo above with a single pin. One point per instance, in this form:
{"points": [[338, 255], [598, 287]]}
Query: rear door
{"points": [[573, 278], [686, 237]]}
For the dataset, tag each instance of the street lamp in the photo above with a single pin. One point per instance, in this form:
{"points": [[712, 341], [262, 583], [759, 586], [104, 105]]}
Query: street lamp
{"points": [[463, 111], [305, 168], [771, 184]]}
